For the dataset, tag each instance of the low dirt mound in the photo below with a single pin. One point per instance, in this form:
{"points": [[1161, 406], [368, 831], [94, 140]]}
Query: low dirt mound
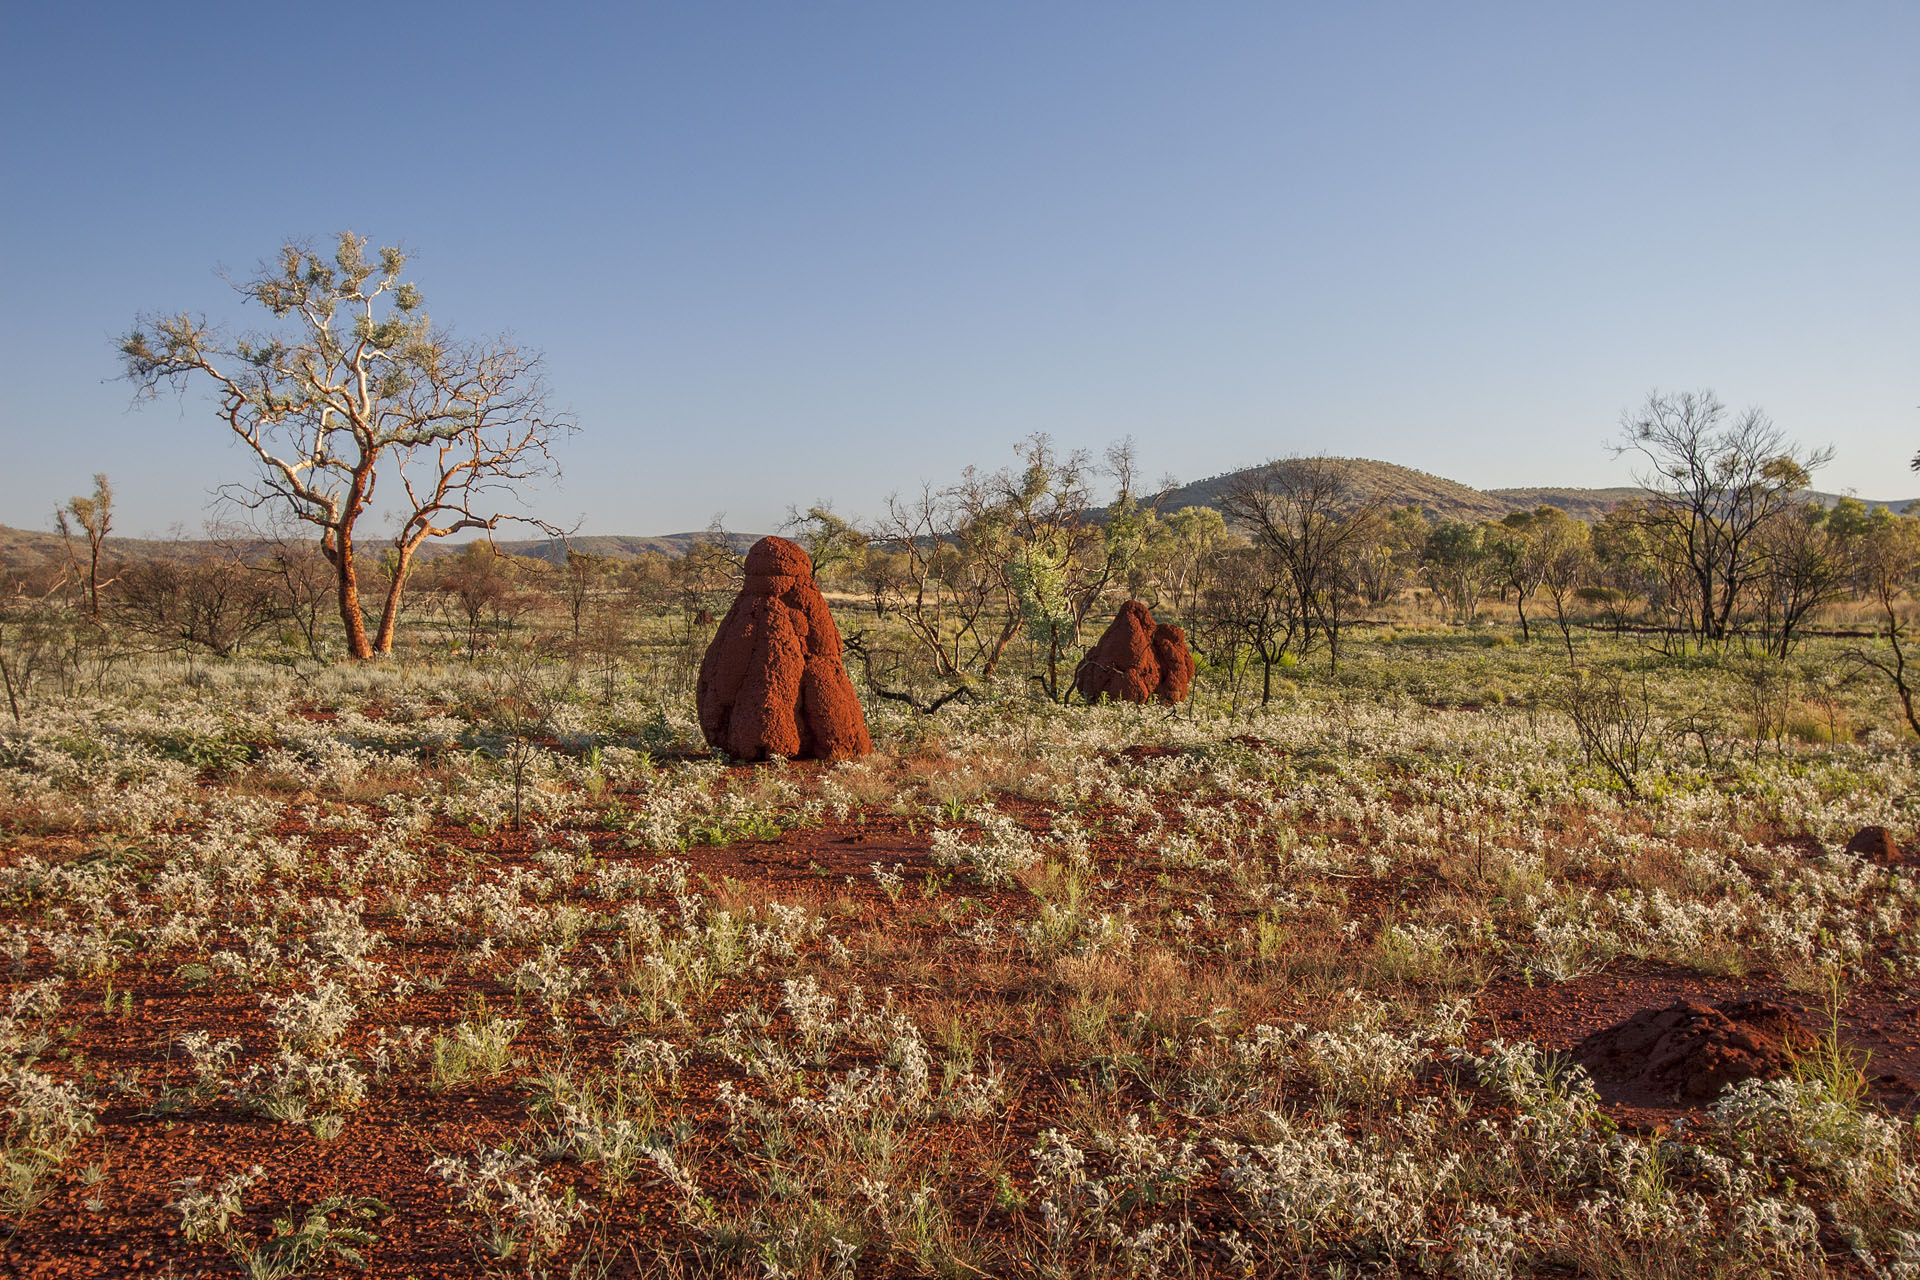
{"points": [[1691, 1051], [1876, 844]]}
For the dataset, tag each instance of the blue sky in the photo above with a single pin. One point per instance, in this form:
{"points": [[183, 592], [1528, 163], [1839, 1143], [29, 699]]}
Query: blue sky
{"points": [[780, 253]]}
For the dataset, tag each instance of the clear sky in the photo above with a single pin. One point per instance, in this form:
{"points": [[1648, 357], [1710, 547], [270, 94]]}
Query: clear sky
{"points": [[777, 253]]}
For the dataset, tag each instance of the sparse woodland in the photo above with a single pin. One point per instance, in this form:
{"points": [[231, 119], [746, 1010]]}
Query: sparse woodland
{"points": [[472, 959]]}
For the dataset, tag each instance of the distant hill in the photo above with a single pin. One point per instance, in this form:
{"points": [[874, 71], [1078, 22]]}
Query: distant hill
{"points": [[1581, 504], [617, 546], [1397, 486], [1443, 499], [30, 550]]}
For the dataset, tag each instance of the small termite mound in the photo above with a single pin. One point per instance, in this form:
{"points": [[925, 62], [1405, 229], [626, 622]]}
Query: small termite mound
{"points": [[1137, 660]]}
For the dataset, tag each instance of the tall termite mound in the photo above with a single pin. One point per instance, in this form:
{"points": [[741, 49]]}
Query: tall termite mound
{"points": [[1137, 660], [772, 682]]}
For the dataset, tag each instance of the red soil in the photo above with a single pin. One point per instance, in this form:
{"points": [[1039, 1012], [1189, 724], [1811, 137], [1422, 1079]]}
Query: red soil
{"points": [[144, 1146]]}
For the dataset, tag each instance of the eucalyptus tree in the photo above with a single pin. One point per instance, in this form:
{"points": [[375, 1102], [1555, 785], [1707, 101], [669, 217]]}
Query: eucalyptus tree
{"points": [[1177, 556], [357, 390], [1386, 563], [1565, 550]]}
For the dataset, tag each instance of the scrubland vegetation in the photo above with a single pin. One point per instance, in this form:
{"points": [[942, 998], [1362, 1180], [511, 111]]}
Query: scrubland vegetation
{"points": [[475, 961]]}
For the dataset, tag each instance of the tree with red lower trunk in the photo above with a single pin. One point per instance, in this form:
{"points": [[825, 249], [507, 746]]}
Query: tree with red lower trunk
{"points": [[359, 388]]}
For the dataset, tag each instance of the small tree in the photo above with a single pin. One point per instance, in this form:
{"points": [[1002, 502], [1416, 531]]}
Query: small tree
{"points": [[831, 542], [1886, 556], [1801, 568], [1180, 552], [474, 582], [360, 387], [1457, 565], [1057, 558], [1532, 547], [1630, 569], [211, 602], [520, 691], [950, 590], [1614, 720], [302, 579], [998, 552], [881, 573], [582, 573], [94, 515], [1565, 549], [1249, 606], [1387, 561], [29, 646]]}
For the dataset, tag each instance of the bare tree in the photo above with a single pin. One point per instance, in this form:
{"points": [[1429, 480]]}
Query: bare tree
{"points": [[1714, 482], [211, 602], [359, 386], [29, 643], [950, 576], [302, 579], [1249, 605], [473, 582], [1315, 522]]}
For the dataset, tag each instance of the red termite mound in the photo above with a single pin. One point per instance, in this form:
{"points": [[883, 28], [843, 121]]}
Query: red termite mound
{"points": [[772, 683], [1176, 662], [1137, 661]]}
